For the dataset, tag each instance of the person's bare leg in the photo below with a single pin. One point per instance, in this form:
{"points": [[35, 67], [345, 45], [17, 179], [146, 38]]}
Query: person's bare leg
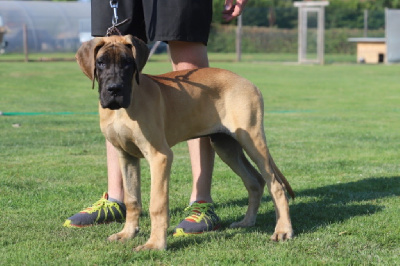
{"points": [[115, 186], [202, 160], [187, 55], [114, 209]]}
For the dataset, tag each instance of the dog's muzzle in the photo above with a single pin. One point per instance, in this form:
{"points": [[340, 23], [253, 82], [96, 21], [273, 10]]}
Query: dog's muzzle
{"points": [[115, 95]]}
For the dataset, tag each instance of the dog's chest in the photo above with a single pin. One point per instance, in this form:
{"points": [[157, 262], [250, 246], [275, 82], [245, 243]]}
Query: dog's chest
{"points": [[122, 137]]}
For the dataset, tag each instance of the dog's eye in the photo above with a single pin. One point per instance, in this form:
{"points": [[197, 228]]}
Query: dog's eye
{"points": [[127, 62], [100, 63]]}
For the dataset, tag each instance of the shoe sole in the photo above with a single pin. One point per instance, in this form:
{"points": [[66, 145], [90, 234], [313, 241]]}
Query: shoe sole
{"points": [[68, 224], [181, 233]]}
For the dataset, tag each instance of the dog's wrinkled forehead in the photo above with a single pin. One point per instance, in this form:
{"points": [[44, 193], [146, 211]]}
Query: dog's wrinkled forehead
{"points": [[116, 50]]}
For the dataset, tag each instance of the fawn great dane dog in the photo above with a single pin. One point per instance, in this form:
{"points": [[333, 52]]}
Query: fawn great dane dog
{"points": [[143, 116]]}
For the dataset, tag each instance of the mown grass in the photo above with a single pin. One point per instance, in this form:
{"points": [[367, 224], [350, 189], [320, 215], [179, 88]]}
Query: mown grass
{"points": [[333, 130]]}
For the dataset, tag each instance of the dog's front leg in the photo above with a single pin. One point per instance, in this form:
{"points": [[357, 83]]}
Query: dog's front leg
{"points": [[130, 167], [160, 169]]}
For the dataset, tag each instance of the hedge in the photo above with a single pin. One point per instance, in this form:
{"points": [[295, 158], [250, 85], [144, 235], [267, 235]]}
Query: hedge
{"points": [[274, 40]]}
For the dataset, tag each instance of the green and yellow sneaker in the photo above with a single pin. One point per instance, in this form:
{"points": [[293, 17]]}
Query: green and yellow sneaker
{"points": [[202, 218], [103, 211]]}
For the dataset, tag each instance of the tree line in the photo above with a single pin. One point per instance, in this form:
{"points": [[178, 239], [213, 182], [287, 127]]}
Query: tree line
{"points": [[339, 13]]}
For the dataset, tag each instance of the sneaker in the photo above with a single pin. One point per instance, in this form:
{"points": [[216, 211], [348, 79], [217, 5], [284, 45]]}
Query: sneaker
{"points": [[103, 211], [202, 218]]}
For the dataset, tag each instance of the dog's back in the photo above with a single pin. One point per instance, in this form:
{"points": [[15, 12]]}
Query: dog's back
{"points": [[210, 99]]}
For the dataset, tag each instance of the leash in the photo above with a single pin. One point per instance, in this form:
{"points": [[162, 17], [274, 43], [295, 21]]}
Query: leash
{"points": [[114, 6], [114, 28], [114, 20]]}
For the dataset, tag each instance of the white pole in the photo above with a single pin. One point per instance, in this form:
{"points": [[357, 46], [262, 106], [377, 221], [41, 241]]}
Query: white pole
{"points": [[239, 39]]}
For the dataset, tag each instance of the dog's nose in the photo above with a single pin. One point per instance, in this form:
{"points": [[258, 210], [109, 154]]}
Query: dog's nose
{"points": [[114, 88]]}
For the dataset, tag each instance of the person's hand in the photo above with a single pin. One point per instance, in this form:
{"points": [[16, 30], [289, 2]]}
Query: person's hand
{"points": [[232, 10]]}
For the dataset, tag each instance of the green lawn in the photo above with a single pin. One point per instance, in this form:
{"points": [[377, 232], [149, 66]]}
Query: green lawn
{"points": [[333, 130]]}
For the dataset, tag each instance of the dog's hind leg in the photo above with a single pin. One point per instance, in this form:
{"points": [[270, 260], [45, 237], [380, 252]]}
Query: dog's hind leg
{"points": [[230, 151], [254, 143], [130, 167]]}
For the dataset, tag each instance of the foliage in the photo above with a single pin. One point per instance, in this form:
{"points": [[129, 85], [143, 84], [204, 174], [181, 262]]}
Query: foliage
{"points": [[339, 13], [365, 4], [274, 40], [260, 9], [285, 18]]}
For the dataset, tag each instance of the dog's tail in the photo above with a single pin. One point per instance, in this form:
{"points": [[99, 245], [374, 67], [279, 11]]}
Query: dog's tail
{"points": [[281, 178]]}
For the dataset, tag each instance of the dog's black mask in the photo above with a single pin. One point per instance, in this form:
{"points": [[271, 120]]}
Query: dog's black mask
{"points": [[115, 67]]}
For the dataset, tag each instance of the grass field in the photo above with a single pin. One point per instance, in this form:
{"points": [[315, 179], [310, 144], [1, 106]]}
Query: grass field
{"points": [[333, 130]]}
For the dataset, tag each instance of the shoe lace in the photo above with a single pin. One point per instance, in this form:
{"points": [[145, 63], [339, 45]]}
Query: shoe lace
{"points": [[98, 205], [196, 209]]}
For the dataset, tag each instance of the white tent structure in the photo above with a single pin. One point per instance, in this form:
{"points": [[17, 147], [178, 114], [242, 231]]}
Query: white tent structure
{"points": [[50, 26]]}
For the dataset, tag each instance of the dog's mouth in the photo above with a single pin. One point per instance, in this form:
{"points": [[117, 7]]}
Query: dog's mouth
{"points": [[115, 100], [113, 103]]}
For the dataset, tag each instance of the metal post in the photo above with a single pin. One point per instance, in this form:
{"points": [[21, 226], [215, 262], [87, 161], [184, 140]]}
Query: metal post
{"points": [[25, 41], [239, 39], [321, 37], [365, 23], [303, 18], [300, 38]]}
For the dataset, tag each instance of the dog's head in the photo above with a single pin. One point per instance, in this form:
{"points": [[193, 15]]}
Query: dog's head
{"points": [[115, 62]]}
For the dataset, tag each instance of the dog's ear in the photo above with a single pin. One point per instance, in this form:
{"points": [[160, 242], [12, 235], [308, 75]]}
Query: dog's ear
{"points": [[140, 51], [86, 56]]}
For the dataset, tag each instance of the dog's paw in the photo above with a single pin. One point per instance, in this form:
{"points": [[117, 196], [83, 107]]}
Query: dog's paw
{"points": [[118, 237], [283, 231], [151, 246], [282, 235]]}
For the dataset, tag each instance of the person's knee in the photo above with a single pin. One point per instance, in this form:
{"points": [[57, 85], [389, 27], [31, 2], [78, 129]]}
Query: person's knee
{"points": [[188, 55]]}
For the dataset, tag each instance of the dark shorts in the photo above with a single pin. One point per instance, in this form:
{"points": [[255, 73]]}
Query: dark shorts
{"points": [[162, 20]]}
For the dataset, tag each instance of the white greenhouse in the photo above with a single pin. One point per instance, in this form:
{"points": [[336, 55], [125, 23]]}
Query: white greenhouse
{"points": [[50, 26]]}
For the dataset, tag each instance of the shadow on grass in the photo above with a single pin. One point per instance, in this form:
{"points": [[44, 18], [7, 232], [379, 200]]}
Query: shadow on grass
{"points": [[319, 207], [340, 202], [332, 204]]}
